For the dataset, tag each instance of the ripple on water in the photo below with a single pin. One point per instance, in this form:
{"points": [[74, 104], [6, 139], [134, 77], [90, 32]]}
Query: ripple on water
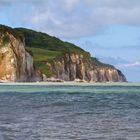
{"points": [[70, 112]]}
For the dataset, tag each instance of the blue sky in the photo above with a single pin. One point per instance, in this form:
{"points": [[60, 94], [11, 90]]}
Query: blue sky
{"points": [[108, 29]]}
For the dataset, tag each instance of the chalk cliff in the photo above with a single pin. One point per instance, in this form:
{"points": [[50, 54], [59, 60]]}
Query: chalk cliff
{"points": [[16, 64], [71, 67], [27, 55]]}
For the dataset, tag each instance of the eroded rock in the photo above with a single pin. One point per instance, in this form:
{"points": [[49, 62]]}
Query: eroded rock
{"points": [[16, 64]]}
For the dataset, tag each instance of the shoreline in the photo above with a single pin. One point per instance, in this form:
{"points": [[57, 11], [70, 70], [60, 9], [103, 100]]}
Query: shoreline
{"points": [[69, 83]]}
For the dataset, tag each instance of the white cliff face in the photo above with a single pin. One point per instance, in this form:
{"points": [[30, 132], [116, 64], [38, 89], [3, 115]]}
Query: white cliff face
{"points": [[107, 75], [15, 63], [73, 67]]}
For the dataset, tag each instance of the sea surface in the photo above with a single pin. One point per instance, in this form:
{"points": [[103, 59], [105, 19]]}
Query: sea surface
{"points": [[70, 112]]}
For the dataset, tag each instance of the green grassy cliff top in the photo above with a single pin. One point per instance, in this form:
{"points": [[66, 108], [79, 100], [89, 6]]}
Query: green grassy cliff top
{"points": [[44, 47], [4, 29], [45, 41]]}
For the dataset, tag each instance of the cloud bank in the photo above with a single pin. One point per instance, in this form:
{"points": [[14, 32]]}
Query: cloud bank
{"points": [[135, 64], [72, 18]]}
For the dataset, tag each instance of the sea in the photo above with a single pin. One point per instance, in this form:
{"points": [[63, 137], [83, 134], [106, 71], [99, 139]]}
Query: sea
{"points": [[79, 111]]}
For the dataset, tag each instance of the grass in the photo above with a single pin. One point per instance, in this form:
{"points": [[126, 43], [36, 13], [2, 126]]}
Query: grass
{"points": [[43, 68], [43, 40], [41, 56], [4, 29], [5, 39], [45, 48]]}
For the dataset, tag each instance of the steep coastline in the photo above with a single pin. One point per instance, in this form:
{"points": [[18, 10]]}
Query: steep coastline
{"points": [[16, 64], [73, 67], [26, 55]]}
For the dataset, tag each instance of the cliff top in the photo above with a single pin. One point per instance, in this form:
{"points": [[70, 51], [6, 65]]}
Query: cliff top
{"points": [[44, 47], [42, 40], [4, 29]]}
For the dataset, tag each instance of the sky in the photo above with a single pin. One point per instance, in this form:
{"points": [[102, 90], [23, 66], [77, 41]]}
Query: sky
{"points": [[108, 29]]}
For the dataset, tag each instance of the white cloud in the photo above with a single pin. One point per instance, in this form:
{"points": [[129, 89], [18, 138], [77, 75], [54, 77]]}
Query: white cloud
{"points": [[135, 64], [74, 18], [120, 63], [69, 5], [114, 3]]}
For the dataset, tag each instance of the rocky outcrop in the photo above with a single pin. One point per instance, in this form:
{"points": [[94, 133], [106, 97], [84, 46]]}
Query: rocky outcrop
{"points": [[77, 67], [16, 64], [67, 62]]}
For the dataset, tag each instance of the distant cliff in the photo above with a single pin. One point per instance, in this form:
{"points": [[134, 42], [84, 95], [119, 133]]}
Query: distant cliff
{"points": [[27, 55], [16, 64], [74, 67]]}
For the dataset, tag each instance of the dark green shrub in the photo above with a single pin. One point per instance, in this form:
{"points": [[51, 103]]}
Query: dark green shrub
{"points": [[5, 39]]}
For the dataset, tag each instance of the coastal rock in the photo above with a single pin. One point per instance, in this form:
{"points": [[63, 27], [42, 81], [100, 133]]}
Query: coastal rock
{"points": [[16, 64], [54, 60], [74, 66]]}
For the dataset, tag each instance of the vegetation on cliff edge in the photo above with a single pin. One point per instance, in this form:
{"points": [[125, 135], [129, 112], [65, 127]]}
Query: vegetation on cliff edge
{"points": [[44, 47], [5, 29], [98, 63]]}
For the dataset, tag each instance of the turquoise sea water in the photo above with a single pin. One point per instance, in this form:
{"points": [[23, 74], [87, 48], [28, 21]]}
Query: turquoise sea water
{"points": [[70, 112]]}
